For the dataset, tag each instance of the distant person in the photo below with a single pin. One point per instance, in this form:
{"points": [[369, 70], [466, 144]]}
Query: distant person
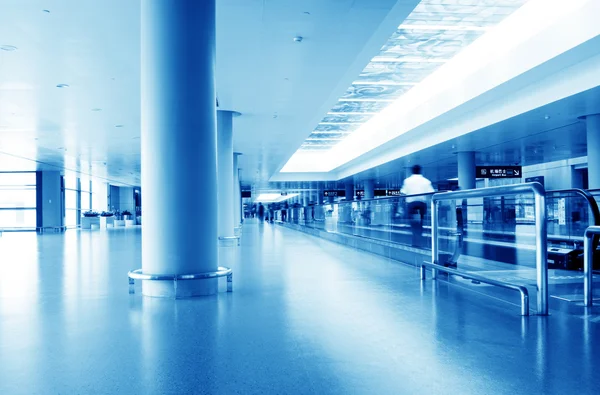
{"points": [[271, 214], [284, 212], [261, 212], [416, 184]]}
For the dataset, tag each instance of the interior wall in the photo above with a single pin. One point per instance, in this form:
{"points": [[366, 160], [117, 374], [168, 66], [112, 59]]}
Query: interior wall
{"points": [[121, 198], [557, 175], [49, 202]]}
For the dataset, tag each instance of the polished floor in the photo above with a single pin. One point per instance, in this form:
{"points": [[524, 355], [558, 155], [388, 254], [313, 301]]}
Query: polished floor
{"points": [[306, 317]]}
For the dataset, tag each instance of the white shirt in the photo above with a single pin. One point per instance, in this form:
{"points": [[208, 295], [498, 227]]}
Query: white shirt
{"points": [[416, 185]]}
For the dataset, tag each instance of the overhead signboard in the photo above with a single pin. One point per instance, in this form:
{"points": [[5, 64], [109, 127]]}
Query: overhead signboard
{"points": [[360, 193], [499, 171], [246, 194], [283, 193], [379, 192], [393, 192], [334, 193]]}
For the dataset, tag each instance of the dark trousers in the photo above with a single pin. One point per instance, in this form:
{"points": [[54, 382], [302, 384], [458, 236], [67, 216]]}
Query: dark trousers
{"points": [[417, 211]]}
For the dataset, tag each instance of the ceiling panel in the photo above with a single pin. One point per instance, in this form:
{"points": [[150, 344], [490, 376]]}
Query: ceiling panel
{"points": [[433, 33]]}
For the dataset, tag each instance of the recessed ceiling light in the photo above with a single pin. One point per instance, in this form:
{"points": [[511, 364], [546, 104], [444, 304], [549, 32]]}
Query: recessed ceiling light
{"points": [[547, 117], [96, 109], [298, 39], [306, 13], [62, 86], [119, 126], [8, 48], [46, 11]]}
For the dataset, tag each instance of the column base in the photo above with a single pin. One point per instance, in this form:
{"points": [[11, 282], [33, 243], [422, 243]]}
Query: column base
{"points": [[180, 289], [229, 241]]}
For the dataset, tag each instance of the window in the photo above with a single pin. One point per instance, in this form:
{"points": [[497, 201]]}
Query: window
{"points": [[72, 210], [99, 196], [18, 200]]}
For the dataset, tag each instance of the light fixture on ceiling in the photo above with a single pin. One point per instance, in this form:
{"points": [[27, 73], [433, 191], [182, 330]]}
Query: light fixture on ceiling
{"points": [[62, 85], [443, 27], [547, 117], [46, 11], [298, 39], [8, 48], [119, 126], [306, 13], [96, 109]]}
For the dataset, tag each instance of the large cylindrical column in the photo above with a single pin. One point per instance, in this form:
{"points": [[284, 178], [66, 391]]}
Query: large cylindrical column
{"points": [[237, 194], [225, 177], [369, 189], [178, 144], [466, 170], [593, 150], [350, 190]]}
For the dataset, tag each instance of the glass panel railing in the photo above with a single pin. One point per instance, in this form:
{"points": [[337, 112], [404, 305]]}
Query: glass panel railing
{"points": [[500, 229]]}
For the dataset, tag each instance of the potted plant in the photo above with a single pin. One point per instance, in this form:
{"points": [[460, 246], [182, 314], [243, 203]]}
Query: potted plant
{"points": [[119, 221], [90, 218], [106, 218], [127, 216]]}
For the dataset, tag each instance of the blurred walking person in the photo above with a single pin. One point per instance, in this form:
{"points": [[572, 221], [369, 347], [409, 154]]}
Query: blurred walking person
{"points": [[416, 184]]}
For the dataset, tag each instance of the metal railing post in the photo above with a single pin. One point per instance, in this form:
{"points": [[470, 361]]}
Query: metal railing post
{"points": [[541, 254], [435, 253], [588, 265], [520, 288]]}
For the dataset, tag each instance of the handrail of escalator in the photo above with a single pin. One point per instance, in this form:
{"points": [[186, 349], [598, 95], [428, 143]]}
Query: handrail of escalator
{"points": [[587, 196], [593, 206], [379, 199], [459, 219]]}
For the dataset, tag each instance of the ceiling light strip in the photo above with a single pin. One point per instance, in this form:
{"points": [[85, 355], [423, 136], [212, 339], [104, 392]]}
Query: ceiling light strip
{"points": [[340, 123], [368, 100], [384, 83], [407, 59], [351, 113], [444, 27]]}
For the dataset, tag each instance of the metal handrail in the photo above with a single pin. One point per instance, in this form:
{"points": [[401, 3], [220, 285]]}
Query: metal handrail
{"points": [[541, 240], [221, 271], [588, 265], [386, 198], [588, 197], [520, 288], [591, 202]]}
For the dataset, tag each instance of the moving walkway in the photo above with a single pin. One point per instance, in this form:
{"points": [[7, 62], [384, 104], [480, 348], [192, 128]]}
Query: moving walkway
{"points": [[493, 236]]}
